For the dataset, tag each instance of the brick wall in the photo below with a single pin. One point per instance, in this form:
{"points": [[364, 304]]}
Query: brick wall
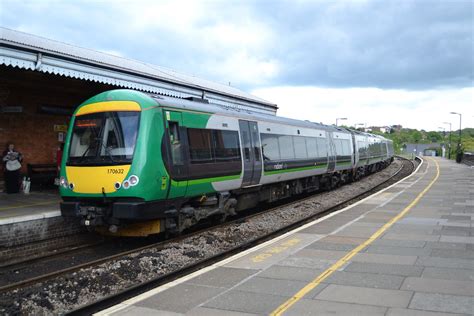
{"points": [[31, 131], [35, 238]]}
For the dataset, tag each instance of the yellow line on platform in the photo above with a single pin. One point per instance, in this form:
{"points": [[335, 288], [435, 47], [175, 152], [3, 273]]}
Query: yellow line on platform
{"points": [[305, 290], [28, 205]]}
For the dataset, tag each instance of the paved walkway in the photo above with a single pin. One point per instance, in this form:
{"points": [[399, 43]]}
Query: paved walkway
{"points": [[21, 207], [366, 260]]}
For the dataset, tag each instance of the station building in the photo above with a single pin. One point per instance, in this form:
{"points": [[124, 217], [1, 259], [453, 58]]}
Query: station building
{"points": [[42, 81]]}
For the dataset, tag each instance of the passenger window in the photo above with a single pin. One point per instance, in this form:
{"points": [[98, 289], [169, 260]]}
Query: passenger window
{"points": [[339, 148], [270, 147], [174, 132], [322, 148], [300, 147], [226, 145], [200, 150], [256, 149], [362, 149], [287, 150], [213, 146], [346, 147], [175, 141], [246, 144], [312, 147]]}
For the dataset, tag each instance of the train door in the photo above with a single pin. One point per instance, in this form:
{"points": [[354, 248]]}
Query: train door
{"points": [[331, 154], [250, 140], [354, 150], [177, 157]]}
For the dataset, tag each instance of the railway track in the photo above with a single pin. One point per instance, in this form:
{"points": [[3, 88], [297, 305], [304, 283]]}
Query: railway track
{"points": [[26, 272], [406, 168]]}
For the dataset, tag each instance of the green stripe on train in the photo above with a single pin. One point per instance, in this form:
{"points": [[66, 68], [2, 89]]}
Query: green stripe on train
{"points": [[343, 163], [205, 180], [267, 173]]}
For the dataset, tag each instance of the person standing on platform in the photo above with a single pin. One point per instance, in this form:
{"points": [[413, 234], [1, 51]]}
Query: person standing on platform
{"points": [[11, 166]]}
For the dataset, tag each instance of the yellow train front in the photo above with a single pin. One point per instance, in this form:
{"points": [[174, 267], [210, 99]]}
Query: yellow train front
{"points": [[111, 164]]}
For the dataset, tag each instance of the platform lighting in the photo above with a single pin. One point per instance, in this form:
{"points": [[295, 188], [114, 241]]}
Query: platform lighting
{"points": [[444, 132], [340, 118], [362, 124], [449, 152], [460, 116]]}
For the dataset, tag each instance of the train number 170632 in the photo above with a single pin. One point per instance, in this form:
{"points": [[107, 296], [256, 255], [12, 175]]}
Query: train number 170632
{"points": [[114, 171]]}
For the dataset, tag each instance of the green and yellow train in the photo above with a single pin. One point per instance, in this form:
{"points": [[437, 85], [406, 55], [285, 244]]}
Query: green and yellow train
{"points": [[136, 164]]}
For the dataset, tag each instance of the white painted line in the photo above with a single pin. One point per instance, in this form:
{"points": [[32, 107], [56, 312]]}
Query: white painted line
{"points": [[141, 297], [31, 217]]}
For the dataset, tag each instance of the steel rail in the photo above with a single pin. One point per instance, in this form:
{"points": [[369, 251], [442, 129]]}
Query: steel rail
{"points": [[51, 254]]}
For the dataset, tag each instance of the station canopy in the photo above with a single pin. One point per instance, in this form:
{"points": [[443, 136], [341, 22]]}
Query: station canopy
{"points": [[30, 52]]}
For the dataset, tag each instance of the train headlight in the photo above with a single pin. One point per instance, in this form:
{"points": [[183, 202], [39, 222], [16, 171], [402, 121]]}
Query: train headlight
{"points": [[117, 185], [71, 186], [126, 184], [133, 180], [63, 182]]}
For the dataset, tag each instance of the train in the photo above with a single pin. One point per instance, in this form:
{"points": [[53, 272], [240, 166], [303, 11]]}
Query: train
{"points": [[139, 164]]}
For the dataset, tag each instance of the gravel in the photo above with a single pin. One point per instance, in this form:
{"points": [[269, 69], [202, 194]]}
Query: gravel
{"points": [[67, 292]]}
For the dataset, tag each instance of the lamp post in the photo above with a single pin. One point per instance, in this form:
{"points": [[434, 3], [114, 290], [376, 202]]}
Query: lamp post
{"points": [[444, 131], [449, 152], [340, 118], [458, 151], [460, 116], [444, 135]]}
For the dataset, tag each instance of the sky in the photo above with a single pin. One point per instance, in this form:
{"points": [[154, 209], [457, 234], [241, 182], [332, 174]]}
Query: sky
{"points": [[373, 62]]}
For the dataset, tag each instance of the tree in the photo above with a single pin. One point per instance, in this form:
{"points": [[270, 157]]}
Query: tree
{"points": [[435, 137], [416, 136]]}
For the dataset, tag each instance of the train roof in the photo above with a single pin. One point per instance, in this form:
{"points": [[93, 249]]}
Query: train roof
{"points": [[203, 105]]}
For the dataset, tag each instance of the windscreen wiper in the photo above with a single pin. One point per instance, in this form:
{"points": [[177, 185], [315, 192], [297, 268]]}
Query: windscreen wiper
{"points": [[88, 148], [107, 151]]}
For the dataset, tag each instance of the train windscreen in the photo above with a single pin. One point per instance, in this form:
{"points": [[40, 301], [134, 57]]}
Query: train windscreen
{"points": [[104, 138]]}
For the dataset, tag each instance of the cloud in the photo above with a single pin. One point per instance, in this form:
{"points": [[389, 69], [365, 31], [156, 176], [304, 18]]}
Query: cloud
{"points": [[408, 45]]}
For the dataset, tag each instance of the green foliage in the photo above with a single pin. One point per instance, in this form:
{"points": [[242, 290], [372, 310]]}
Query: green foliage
{"points": [[435, 137], [413, 136]]}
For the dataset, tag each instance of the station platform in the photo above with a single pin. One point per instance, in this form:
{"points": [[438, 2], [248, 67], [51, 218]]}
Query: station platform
{"points": [[407, 250], [21, 207]]}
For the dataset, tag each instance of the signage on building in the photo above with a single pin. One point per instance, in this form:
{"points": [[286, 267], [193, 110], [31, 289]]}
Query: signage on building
{"points": [[11, 109], [60, 128]]}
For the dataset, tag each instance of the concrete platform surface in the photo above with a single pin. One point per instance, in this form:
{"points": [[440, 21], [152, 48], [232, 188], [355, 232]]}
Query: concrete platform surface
{"points": [[21, 207], [406, 251]]}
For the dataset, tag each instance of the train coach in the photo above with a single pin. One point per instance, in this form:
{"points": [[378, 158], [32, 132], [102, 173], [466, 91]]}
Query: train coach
{"points": [[136, 164]]}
